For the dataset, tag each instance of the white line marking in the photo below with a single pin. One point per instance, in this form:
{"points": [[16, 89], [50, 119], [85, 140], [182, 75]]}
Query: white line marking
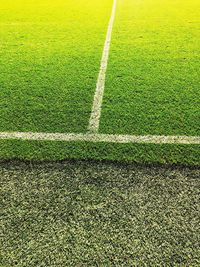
{"points": [[93, 127], [98, 97], [110, 138]]}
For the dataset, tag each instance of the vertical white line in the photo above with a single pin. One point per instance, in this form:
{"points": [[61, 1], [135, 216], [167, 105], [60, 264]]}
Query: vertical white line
{"points": [[98, 97]]}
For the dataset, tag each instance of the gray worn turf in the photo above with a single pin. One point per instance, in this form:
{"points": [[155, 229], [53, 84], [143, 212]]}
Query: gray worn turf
{"points": [[99, 214]]}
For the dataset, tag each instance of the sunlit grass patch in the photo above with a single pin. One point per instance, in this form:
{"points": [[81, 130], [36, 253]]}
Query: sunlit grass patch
{"points": [[153, 75], [50, 56]]}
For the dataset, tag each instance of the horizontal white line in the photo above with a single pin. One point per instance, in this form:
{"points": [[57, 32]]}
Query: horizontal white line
{"points": [[110, 138]]}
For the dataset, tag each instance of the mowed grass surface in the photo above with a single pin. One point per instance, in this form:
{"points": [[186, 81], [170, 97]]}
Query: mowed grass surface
{"points": [[50, 58], [50, 54], [153, 77], [97, 214]]}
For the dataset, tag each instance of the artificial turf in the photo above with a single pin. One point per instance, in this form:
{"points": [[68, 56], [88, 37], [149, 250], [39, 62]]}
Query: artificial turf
{"points": [[98, 214], [153, 76], [50, 56], [176, 154]]}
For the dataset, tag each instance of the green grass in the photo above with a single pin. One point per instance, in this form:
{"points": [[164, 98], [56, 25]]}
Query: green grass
{"points": [[153, 77], [89, 214], [139, 153], [50, 56]]}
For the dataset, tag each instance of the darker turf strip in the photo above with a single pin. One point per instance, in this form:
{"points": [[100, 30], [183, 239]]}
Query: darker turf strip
{"points": [[99, 214]]}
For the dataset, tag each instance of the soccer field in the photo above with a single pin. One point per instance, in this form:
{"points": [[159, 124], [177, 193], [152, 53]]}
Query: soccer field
{"points": [[116, 80]]}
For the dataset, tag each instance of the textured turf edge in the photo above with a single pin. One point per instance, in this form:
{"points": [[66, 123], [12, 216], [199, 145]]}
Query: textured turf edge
{"points": [[188, 155]]}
